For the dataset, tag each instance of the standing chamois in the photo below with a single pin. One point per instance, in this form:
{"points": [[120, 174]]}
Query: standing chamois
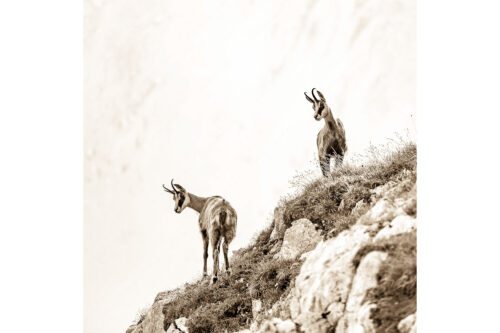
{"points": [[331, 138], [217, 221]]}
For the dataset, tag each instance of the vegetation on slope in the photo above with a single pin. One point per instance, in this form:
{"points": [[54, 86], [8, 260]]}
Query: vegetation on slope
{"points": [[328, 204], [227, 305], [396, 292]]}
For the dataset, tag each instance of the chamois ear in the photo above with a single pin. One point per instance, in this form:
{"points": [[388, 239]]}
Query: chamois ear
{"points": [[321, 95], [308, 98], [180, 188]]}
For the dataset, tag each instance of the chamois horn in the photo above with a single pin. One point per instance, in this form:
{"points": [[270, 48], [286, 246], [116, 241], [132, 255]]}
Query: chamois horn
{"points": [[167, 189], [312, 92], [173, 186], [308, 98]]}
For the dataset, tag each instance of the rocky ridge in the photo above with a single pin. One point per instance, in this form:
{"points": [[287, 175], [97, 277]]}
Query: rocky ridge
{"points": [[342, 276]]}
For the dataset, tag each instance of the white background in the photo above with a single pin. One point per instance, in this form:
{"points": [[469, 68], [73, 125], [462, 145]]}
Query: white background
{"points": [[42, 177]]}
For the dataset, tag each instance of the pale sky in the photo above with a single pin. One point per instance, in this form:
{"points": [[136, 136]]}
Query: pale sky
{"points": [[211, 94]]}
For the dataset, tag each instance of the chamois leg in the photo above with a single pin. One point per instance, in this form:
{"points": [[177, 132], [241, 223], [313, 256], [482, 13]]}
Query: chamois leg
{"points": [[205, 251], [338, 160], [324, 164], [215, 255], [225, 247]]}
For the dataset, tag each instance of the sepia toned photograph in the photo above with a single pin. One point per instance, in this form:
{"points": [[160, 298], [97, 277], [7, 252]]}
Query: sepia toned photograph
{"points": [[249, 166]]}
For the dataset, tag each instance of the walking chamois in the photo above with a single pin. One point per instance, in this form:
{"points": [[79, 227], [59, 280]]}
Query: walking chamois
{"points": [[331, 138], [217, 221]]}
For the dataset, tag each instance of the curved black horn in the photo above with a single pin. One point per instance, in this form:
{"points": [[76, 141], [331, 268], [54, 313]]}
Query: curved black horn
{"points": [[312, 92], [308, 98], [173, 186], [167, 189]]}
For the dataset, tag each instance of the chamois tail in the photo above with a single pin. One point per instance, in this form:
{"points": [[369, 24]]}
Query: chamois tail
{"points": [[222, 217]]}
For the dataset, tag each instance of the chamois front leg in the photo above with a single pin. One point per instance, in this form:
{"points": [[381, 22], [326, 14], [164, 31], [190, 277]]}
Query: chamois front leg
{"points": [[215, 255], [324, 164], [205, 251]]}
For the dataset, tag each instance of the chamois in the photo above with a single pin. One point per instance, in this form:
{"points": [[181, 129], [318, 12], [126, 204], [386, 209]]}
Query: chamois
{"points": [[217, 221], [331, 138]]}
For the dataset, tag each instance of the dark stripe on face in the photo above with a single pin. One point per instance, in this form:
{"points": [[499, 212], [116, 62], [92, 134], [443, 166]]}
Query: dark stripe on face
{"points": [[181, 200], [321, 108]]}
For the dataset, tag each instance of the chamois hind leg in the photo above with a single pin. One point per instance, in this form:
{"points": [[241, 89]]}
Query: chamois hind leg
{"points": [[216, 239], [225, 248], [338, 160], [205, 251], [324, 164]]}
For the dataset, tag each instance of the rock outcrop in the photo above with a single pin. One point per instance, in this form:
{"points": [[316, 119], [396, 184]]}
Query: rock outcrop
{"points": [[301, 237], [400, 224], [408, 325], [330, 291], [279, 226], [152, 319], [356, 316], [274, 325], [178, 326], [322, 287]]}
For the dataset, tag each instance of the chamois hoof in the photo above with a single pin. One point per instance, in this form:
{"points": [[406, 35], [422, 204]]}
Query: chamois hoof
{"points": [[214, 279], [228, 272]]}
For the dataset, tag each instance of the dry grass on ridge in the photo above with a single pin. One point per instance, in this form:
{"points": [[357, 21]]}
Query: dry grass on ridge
{"points": [[227, 305]]}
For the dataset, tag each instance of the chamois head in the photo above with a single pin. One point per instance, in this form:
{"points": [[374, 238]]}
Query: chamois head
{"points": [[180, 196], [319, 105]]}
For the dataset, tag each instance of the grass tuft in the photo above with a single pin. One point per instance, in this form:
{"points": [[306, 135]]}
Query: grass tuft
{"points": [[141, 315], [272, 279]]}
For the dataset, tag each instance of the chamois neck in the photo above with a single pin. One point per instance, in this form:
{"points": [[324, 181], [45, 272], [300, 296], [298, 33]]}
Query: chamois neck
{"points": [[329, 120], [196, 203]]}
